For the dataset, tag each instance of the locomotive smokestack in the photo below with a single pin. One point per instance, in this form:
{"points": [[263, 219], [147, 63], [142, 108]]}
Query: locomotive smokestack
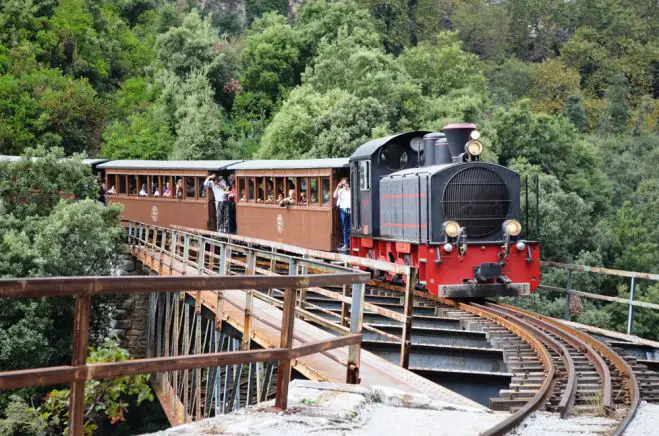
{"points": [[457, 136], [429, 152]]}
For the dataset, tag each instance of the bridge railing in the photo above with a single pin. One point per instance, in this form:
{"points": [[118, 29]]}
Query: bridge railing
{"points": [[633, 277], [83, 288], [307, 258]]}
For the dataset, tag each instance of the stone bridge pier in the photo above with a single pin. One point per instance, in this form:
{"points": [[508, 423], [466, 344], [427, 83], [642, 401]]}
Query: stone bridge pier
{"points": [[129, 322]]}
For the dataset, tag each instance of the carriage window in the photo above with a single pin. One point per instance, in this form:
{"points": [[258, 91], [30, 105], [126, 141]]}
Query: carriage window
{"points": [[269, 190], [142, 189], [326, 190], [303, 199], [313, 191], [201, 188], [132, 185], [365, 175], [280, 192], [156, 186], [189, 187], [250, 189], [122, 184], [241, 189], [260, 191], [291, 188], [167, 187]]}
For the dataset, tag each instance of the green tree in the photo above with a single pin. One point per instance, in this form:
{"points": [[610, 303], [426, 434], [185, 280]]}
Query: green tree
{"points": [[187, 48], [482, 25], [144, 136], [199, 122], [366, 73], [271, 58], [106, 401], [313, 124], [575, 112], [443, 66], [617, 115], [554, 82]]}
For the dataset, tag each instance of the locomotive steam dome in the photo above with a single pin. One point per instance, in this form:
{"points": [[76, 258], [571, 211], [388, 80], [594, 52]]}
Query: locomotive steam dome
{"points": [[478, 199]]}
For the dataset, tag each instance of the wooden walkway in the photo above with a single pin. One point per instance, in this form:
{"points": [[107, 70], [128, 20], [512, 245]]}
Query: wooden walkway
{"points": [[329, 366]]}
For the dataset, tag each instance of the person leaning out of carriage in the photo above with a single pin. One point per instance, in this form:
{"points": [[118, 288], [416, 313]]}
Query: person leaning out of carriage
{"points": [[221, 203]]}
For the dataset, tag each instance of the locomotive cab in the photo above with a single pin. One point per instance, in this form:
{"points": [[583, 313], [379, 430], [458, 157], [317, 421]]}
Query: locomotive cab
{"points": [[455, 217]]}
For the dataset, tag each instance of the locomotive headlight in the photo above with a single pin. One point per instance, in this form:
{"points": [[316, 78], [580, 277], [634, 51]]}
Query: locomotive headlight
{"points": [[451, 228], [512, 227], [475, 134], [474, 147]]}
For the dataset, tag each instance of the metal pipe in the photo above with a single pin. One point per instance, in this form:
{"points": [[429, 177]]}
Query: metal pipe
{"points": [[631, 306]]}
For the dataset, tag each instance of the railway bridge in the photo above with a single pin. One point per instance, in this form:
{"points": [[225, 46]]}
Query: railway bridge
{"points": [[230, 319]]}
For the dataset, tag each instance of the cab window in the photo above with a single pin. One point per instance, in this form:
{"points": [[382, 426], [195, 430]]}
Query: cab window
{"points": [[189, 188], [201, 188]]}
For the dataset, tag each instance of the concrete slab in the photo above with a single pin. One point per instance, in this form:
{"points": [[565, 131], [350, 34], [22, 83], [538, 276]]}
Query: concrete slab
{"points": [[338, 409]]}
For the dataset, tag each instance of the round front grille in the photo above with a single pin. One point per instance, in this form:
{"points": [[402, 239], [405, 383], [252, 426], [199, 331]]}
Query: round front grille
{"points": [[478, 199]]}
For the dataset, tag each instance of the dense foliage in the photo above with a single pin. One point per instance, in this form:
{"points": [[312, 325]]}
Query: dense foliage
{"points": [[52, 225], [564, 90]]}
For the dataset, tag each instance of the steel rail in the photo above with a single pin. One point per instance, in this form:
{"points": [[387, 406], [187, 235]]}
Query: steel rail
{"points": [[595, 359], [543, 393], [569, 393], [613, 357]]}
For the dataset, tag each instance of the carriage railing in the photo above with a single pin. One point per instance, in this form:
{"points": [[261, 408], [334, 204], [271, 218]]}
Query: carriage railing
{"points": [[83, 288]]}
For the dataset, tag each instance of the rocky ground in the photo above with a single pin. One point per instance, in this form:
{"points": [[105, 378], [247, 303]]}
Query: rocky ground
{"points": [[335, 409]]}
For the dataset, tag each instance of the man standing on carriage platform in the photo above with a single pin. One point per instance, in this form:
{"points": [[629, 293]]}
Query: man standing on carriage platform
{"points": [[221, 206], [343, 202]]}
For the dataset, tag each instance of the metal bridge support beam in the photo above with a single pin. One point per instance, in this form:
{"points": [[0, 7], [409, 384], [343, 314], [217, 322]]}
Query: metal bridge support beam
{"points": [[406, 338]]}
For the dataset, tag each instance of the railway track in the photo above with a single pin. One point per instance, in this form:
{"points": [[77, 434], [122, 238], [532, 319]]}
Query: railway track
{"points": [[554, 368]]}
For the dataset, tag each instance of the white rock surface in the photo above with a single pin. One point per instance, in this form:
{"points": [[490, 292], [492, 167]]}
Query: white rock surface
{"points": [[645, 422], [337, 409]]}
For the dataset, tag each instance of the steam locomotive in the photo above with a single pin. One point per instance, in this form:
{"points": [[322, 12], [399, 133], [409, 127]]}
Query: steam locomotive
{"points": [[426, 199]]}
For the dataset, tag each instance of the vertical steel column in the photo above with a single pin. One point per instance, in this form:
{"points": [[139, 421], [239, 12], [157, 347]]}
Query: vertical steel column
{"points": [[406, 338], [130, 233], [197, 351], [630, 314], [186, 253], [568, 290], [284, 366], [175, 338], [303, 291], [356, 320], [186, 342], [344, 305], [80, 344]]}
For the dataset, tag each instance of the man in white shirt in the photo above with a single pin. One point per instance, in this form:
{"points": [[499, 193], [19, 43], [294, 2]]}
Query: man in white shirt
{"points": [[343, 202], [220, 195]]}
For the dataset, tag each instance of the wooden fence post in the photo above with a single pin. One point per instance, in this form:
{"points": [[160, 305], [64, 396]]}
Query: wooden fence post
{"points": [[406, 338], [80, 344], [356, 320], [568, 290], [284, 366]]}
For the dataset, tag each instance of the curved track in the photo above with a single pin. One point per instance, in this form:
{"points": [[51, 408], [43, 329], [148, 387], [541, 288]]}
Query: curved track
{"points": [[582, 375]]}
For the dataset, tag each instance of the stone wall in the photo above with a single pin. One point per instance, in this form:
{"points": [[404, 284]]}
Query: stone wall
{"points": [[129, 323]]}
